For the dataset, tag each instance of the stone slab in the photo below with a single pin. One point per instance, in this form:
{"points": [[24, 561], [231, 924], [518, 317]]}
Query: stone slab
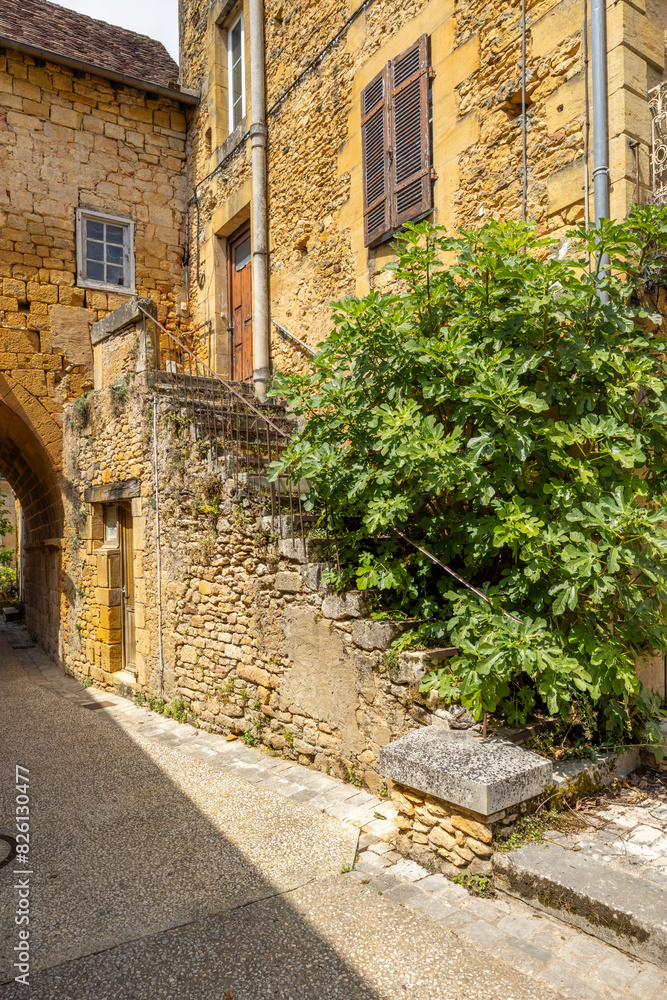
{"points": [[121, 317], [484, 776], [621, 909], [596, 773], [113, 491], [70, 333]]}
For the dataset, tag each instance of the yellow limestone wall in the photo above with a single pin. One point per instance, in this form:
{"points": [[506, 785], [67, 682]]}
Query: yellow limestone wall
{"points": [[315, 176]]}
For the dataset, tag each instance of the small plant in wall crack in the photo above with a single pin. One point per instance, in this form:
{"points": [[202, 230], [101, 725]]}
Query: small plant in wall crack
{"points": [[249, 738], [203, 447], [353, 777], [133, 349], [477, 885], [81, 412], [119, 393], [207, 547], [87, 682]]}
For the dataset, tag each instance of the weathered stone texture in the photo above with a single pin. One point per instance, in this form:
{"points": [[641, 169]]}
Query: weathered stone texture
{"points": [[314, 146], [69, 140]]}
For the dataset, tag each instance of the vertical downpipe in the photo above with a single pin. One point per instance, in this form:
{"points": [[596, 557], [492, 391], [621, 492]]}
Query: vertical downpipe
{"points": [[157, 549], [587, 127], [260, 236], [524, 140], [600, 123]]}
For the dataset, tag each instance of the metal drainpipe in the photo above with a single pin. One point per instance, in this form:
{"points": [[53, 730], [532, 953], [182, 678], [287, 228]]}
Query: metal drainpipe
{"points": [[260, 235], [157, 545], [524, 153], [600, 122]]}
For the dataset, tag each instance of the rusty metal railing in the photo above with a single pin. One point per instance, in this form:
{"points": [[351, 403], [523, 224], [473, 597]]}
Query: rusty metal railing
{"points": [[658, 153], [241, 437]]}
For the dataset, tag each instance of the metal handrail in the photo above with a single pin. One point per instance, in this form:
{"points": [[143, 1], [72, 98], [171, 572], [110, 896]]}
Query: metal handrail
{"points": [[250, 441], [211, 373]]}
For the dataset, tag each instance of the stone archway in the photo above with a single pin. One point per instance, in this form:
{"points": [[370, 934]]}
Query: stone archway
{"points": [[31, 472]]}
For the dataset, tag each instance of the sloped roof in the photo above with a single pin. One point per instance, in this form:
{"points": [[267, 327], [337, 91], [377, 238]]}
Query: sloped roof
{"points": [[74, 37]]}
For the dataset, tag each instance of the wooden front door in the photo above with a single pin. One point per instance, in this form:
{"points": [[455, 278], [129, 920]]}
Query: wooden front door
{"points": [[239, 262], [127, 632]]}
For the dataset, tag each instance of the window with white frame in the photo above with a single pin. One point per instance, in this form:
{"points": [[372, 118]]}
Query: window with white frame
{"points": [[236, 71], [105, 251]]}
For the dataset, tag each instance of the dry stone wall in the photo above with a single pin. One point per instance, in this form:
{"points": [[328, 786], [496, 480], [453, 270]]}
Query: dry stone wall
{"points": [[254, 643]]}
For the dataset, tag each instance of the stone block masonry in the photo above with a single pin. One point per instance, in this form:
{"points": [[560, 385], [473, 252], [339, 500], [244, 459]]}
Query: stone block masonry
{"points": [[254, 644], [70, 139], [317, 251]]}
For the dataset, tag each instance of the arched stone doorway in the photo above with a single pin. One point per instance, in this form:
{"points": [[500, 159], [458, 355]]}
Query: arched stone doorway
{"points": [[34, 476]]}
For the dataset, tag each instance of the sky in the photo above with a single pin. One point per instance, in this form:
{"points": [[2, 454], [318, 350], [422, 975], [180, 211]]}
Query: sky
{"points": [[156, 18]]}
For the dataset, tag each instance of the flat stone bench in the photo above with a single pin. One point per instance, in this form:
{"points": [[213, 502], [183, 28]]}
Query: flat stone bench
{"points": [[453, 788]]}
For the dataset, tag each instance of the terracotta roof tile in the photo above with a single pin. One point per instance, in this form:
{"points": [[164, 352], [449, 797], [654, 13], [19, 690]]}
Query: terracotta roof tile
{"points": [[70, 35]]}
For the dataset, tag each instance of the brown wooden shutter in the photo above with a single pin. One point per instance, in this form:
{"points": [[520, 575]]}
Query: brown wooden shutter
{"points": [[412, 190], [375, 157]]}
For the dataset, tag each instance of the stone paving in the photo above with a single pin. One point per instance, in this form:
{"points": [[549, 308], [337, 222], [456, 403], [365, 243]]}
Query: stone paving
{"points": [[552, 953], [628, 832]]}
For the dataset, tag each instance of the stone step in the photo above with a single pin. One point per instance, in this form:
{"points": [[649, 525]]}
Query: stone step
{"points": [[620, 909]]}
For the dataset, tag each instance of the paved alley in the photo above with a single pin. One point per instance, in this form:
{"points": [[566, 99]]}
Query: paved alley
{"points": [[169, 862]]}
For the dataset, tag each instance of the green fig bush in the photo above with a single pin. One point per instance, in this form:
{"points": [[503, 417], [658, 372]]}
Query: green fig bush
{"points": [[488, 445]]}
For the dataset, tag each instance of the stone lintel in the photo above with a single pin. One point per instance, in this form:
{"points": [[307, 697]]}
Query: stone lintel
{"points": [[484, 776], [121, 317], [113, 491]]}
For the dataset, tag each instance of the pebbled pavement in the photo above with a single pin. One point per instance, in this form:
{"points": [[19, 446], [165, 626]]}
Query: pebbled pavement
{"points": [[387, 929]]}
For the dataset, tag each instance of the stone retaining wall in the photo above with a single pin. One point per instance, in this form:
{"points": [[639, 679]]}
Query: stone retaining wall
{"points": [[254, 642], [437, 832]]}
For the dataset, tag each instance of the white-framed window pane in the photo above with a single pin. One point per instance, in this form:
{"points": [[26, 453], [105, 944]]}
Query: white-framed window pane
{"points": [[95, 230], [106, 252], [236, 72], [114, 254], [94, 250], [95, 271], [115, 275], [236, 43], [114, 234]]}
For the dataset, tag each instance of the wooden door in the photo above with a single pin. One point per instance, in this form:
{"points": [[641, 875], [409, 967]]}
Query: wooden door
{"points": [[127, 624], [239, 262]]}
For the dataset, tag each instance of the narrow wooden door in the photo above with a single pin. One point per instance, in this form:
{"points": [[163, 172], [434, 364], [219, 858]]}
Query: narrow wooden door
{"points": [[127, 624], [239, 258]]}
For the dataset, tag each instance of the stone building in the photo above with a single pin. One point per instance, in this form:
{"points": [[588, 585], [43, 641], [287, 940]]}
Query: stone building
{"points": [[92, 169], [228, 209], [378, 112]]}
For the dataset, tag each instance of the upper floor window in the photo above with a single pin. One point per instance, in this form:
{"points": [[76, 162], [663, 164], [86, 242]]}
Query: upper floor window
{"points": [[236, 71], [396, 143], [105, 251]]}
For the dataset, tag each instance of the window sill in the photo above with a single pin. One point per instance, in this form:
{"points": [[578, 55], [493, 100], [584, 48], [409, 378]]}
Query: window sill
{"points": [[102, 286], [233, 140]]}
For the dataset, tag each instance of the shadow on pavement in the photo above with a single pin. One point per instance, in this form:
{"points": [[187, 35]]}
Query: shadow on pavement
{"points": [[137, 846]]}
